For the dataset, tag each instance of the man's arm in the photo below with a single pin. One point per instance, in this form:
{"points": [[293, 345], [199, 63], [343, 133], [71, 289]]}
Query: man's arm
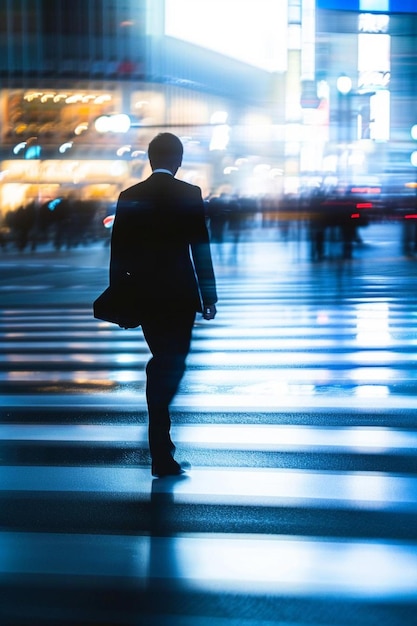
{"points": [[117, 267], [200, 247]]}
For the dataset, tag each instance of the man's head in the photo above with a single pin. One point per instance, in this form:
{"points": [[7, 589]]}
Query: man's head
{"points": [[165, 151]]}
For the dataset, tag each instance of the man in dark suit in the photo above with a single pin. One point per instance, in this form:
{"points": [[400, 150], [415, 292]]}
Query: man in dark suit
{"points": [[158, 223]]}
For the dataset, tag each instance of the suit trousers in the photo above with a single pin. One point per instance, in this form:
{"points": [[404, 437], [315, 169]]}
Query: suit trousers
{"points": [[168, 335]]}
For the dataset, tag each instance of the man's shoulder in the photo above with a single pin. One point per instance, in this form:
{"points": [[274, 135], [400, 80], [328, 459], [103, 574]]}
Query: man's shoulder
{"points": [[187, 187], [133, 190], [153, 184]]}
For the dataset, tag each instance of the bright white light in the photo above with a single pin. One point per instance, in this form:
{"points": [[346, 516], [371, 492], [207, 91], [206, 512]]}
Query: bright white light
{"points": [[112, 123], [357, 157], [126, 358], [344, 84], [374, 53], [125, 376], [103, 98], [219, 117], [380, 114], [20, 146], [330, 163], [46, 97], [81, 128], [372, 324], [323, 90], [414, 131], [32, 96], [119, 123], [252, 32], [74, 98], [373, 23], [60, 96], [65, 146], [372, 391], [220, 137], [102, 124], [413, 159]]}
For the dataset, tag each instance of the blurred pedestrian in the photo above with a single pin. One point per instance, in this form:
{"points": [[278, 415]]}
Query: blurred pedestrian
{"points": [[158, 223], [318, 224]]}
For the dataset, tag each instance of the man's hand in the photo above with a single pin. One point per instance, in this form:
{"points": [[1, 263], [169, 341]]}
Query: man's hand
{"points": [[209, 311]]}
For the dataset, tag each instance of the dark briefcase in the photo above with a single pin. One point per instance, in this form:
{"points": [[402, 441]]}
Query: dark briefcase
{"points": [[118, 305]]}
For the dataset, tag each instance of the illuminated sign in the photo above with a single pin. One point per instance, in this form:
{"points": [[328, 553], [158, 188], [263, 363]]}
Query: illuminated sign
{"points": [[387, 6]]}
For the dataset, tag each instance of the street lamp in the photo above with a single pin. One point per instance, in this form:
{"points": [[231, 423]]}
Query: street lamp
{"points": [[344, 88], [344, 84]]}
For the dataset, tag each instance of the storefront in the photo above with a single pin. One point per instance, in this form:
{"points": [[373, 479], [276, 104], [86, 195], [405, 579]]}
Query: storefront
{"points": [[54, 141]]}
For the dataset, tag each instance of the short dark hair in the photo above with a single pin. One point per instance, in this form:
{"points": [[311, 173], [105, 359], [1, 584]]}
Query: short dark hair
{"points": [[165, 150]]}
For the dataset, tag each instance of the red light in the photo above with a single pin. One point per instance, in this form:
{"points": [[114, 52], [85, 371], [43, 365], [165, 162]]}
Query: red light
{"points": [[108, 221], [364, 205], [355, 216], [411, 216]]}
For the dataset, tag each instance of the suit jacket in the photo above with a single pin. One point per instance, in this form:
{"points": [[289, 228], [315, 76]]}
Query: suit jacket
{"points": [[160, 241]]}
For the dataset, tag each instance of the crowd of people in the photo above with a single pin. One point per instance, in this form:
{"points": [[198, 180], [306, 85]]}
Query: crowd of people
{"points": [[65, 222], [325, 219]]}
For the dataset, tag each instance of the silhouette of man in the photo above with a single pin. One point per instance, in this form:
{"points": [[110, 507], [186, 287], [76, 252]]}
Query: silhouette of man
{"points": [[158, 223]]}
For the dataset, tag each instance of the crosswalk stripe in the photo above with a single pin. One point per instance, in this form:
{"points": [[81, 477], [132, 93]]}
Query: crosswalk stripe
{"points": [[256, 486], [246, 563], [356, 439]]}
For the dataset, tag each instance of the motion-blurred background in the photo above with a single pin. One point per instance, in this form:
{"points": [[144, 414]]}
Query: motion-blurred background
{"points": [[275, 100]]}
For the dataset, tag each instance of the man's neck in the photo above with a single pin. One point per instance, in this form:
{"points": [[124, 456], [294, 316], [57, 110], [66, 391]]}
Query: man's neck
{"points": [[161, 170]]}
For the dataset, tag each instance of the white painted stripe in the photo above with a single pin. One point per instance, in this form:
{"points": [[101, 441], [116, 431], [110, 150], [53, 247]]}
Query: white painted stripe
{"points": [[123, 399], [226, 563], [255, 487], [268, 437], [244, 354]]}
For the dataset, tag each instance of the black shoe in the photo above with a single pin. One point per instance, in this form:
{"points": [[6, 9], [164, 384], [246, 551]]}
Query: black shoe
{"points": [[169, 469]]}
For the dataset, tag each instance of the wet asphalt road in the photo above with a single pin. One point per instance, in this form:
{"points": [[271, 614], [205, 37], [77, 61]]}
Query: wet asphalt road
{"points": [[297, 414]]}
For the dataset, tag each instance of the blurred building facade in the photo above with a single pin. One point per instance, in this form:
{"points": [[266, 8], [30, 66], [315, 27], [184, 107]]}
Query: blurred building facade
{"points": [[371, 43], [251, 87]]}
